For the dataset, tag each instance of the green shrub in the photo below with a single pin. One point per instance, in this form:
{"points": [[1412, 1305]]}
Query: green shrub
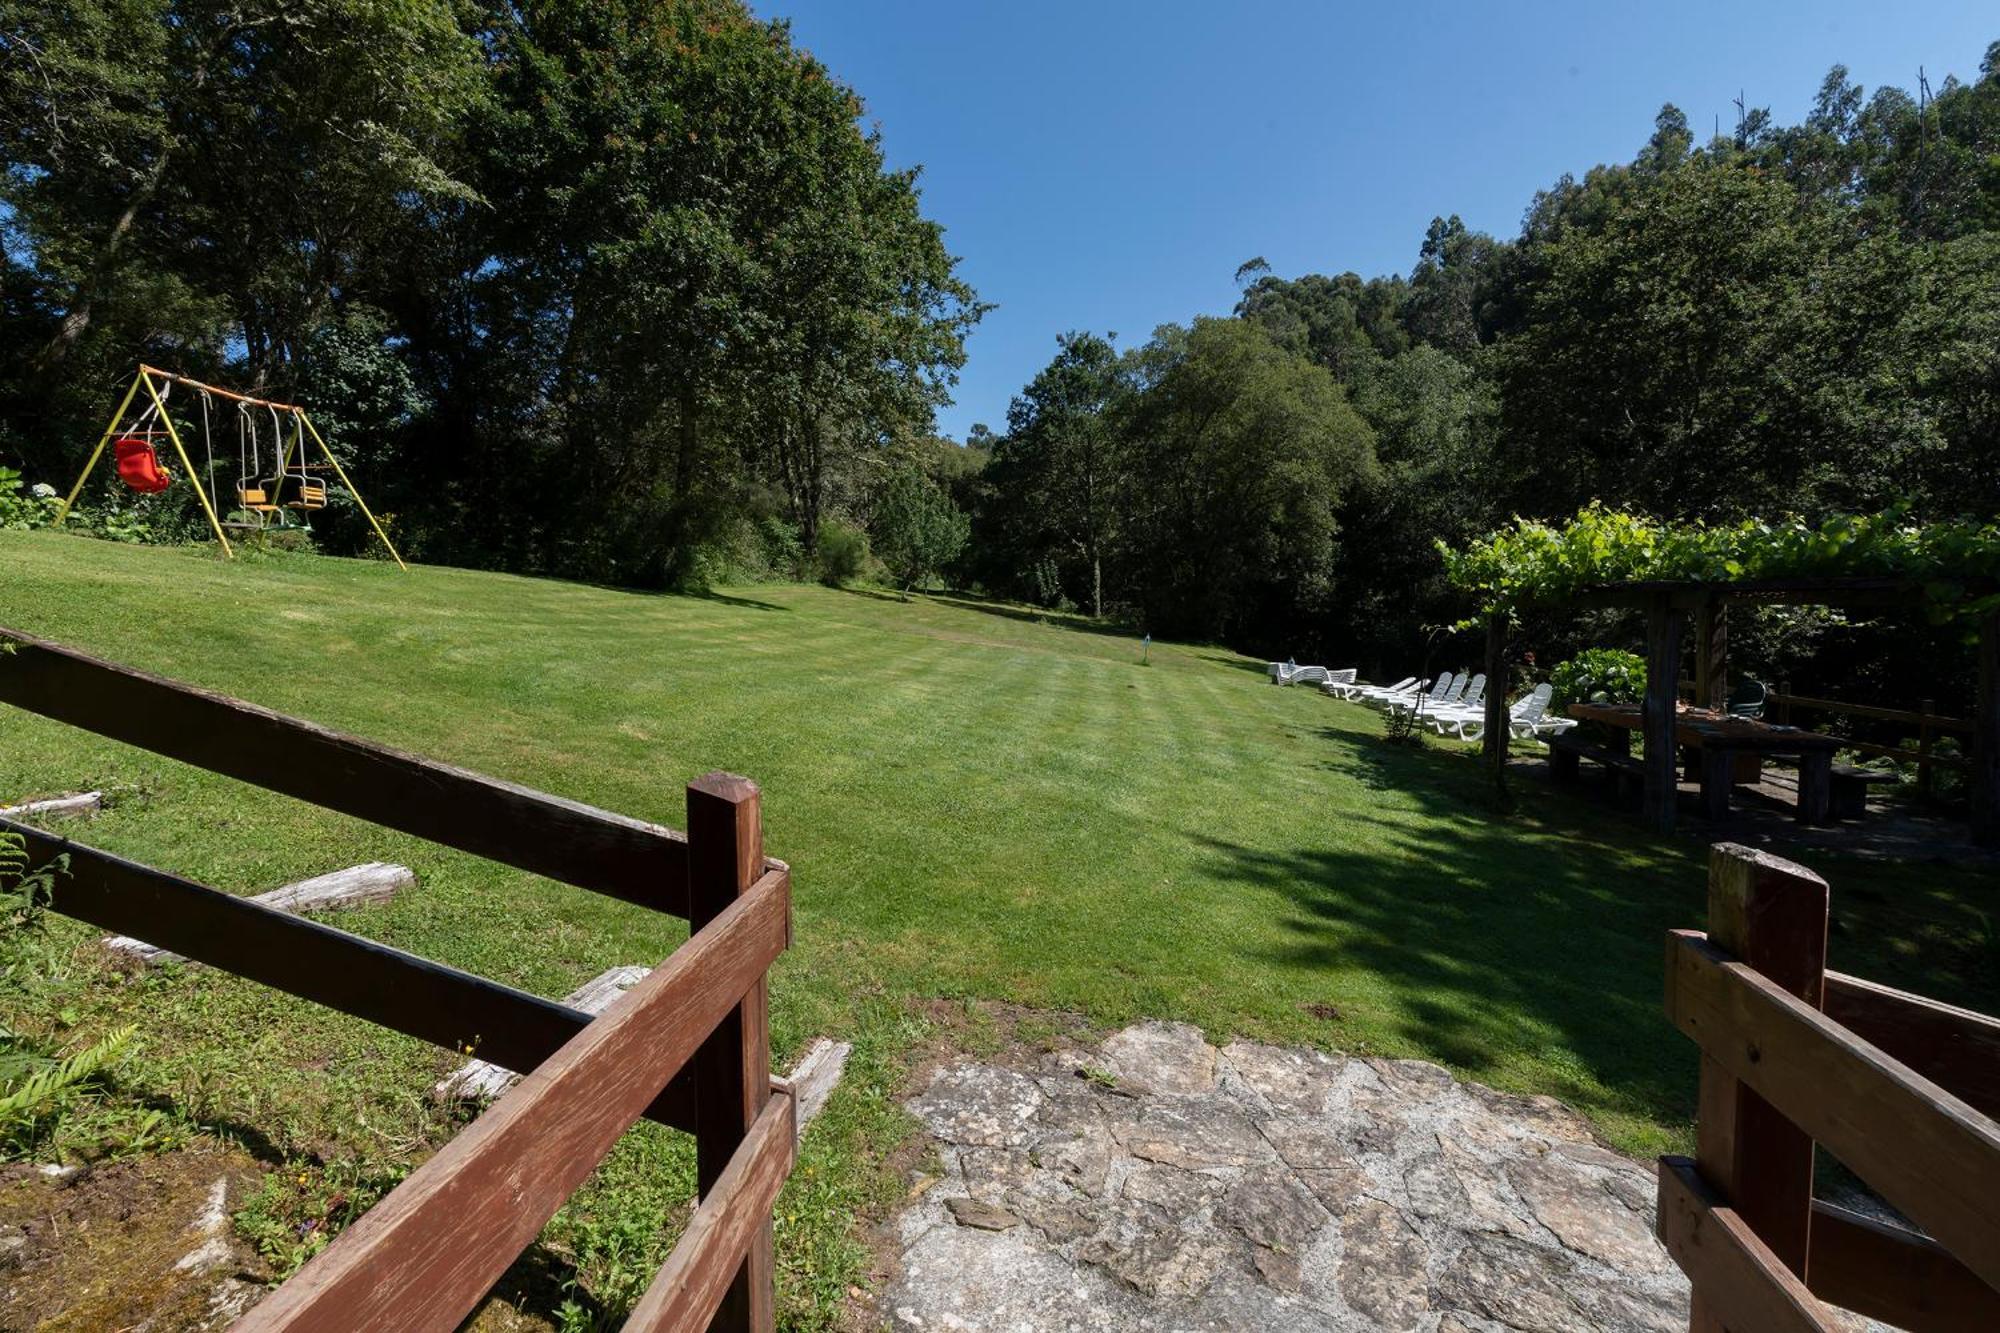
{"points": [[22, 506], [1598, 675], [843, 552]]}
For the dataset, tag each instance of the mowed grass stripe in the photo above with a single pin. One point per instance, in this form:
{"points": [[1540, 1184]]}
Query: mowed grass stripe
{"points": [[976, 802]]}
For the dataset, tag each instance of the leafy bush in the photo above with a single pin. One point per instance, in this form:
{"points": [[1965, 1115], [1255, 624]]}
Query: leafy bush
{"points": [[843, 552], [22, 506], [918, 530], [1598, 675]]}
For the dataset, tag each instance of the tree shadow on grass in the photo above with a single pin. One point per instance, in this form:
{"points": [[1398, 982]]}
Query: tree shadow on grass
{"points": [[1240, 663], [1538, 935], [1029, 615], [733, 599]]}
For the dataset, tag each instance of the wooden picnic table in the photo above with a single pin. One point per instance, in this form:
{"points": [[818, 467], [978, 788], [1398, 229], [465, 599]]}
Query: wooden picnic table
{"points": [[1718, 738]]}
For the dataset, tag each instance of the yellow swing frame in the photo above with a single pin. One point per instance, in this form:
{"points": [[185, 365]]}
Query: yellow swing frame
{"points": [[302, 426]]}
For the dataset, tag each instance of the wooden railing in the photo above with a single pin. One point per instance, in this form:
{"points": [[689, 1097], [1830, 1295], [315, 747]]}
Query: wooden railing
{"points": [[1898, 1088], [689, 1046], [1925, 720]]}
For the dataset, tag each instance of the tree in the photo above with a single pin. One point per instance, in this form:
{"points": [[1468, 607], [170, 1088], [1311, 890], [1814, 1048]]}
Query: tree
{"points": [[1711, 347], [1240, 454], [915, 529], [1062, 461], [1447, 289]]}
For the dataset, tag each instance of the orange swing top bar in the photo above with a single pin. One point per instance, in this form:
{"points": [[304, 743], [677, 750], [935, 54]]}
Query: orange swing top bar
{"points": [[218, 390]]}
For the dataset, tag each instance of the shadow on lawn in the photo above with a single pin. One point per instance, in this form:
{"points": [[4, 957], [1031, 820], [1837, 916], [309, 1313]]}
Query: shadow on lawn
{"points": [[1541, 932], [1028, 615], [1240, 663], [733, 599]]}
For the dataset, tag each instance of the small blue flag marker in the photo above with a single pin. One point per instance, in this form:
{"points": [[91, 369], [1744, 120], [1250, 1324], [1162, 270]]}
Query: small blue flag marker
{"points": [[1148, 646]]}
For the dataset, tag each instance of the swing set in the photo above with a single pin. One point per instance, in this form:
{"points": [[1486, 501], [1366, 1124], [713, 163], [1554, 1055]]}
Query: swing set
{"points": [[264, 499]]}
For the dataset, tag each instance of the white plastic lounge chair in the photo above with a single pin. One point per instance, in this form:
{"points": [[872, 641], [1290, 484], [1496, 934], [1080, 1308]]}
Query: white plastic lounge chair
{"points": [[1381, 698], [1438, 689], [1526, 720], [1534, 721], [1469, 724], [1286, 673], [1466, 692], [1356, 690]]}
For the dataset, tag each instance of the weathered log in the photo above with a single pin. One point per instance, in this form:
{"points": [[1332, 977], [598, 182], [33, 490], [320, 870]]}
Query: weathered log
{"points": [[356, 886], [57, 807], [477, 1080], [814, 1077]]}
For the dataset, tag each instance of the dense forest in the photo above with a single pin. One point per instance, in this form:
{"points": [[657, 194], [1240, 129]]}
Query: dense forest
{"points": [[611, 290], [625, 291], [1785, 320]]}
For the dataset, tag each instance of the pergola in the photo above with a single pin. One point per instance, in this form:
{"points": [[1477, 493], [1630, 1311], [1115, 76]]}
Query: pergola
{"points": [[1669, 606]]}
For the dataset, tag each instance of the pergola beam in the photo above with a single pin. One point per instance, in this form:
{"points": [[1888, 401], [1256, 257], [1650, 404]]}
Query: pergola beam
{"points": [[1688, 595]]}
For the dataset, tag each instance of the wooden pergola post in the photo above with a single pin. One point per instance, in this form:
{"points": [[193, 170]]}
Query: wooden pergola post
{"points": [[1495, 751], [1711, 655], [1986, 736], [1665, 625]]}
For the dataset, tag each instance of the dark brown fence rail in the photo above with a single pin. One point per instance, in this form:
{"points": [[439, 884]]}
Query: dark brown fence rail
{"points": [[1793, 1056], [1925, 721], [689, 1046]]}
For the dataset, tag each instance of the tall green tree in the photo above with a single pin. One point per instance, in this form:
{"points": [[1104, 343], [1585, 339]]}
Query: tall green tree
{"points": [[1062, 462], [915, 528], [1241, 453]]}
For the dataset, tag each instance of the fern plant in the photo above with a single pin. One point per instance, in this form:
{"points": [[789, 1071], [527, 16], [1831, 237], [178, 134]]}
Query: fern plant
{"points": [[38, 1089]]}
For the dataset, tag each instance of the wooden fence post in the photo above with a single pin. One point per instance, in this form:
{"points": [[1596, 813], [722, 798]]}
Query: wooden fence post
{"points": [[1772, 915], [1665, 626], [732, 1070]]}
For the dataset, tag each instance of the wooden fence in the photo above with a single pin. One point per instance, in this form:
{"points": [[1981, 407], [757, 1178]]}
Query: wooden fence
{"points": [[689, 1046], [1900, 1089], [1925, 720]]}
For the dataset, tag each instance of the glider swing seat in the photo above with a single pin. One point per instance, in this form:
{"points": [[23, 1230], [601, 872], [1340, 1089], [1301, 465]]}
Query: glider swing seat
{"points": [[261, 499]]}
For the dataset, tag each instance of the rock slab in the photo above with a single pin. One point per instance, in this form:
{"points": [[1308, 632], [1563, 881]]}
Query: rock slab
{"points": [[1159, 1183]]}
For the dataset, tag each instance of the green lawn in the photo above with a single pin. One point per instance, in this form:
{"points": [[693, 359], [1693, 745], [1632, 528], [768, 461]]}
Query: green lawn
{"points": [[976, 805]]}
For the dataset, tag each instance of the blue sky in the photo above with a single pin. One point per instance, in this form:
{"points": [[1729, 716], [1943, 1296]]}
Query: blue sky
{"points": [[1108, 165]]}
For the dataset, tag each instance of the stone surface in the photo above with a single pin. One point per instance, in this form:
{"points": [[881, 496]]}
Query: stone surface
{"points": [[1272, 1209], [991, 1172], [984, 1216], [1081, 1159], [1579, 1206], [980, 1106], [1384, 1266], [1290, 1081], [1144, 1245], [1161, 1057], [1192, 1134], [1179, 1192], [1266, 1188]]}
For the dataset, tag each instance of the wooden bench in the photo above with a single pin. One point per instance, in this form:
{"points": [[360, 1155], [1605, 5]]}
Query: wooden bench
{"points": [[1848, 795], [1566, 751]]}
